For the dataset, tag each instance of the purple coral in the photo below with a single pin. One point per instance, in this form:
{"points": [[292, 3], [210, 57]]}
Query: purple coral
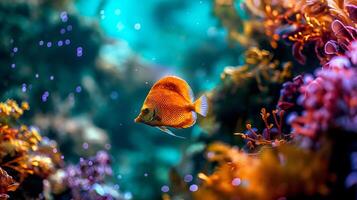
{"points": [[289, 93], [330, 100], [344, 36], [87, 179]]}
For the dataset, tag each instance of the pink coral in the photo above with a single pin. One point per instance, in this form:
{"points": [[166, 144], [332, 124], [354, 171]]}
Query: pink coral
{"points": [[330, 100]]}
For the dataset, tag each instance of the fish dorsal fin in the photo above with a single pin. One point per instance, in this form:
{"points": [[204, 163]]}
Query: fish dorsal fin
{"points": [[177, 85], [166, 130]]}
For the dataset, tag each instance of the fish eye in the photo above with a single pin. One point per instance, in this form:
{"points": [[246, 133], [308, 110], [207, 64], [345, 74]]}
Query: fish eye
{"points": [[145, 111], [147, 114]]}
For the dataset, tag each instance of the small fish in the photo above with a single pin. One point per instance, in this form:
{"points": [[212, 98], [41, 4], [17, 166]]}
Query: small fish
{"points": [[170, 103]]}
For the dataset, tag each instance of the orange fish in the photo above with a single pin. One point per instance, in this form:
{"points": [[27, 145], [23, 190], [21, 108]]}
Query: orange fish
{"points": [[170, 103]]}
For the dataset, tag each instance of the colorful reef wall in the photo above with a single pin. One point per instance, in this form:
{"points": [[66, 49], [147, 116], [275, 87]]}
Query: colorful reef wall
{"points": [[280, 77]]}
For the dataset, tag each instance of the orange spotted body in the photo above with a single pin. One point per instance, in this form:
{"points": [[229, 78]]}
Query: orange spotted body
{"points": [[177, 111], [170, 104]]}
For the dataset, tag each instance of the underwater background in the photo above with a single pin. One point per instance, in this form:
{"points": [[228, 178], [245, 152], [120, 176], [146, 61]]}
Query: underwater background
{"points": [[280, 77]]}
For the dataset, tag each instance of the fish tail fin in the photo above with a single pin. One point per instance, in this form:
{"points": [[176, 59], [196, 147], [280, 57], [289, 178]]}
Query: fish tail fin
{"points": [[201, 105]]}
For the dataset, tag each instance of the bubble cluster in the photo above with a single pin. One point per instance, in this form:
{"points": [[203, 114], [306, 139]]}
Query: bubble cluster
{"points": [[102, 14], [45, 95], [64, 16], [79, 51], [24, 88]]}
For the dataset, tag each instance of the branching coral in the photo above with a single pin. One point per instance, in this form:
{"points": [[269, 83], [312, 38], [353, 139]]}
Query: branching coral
{"points": [[289, 93], [272, 135], [23, 152], [308, 154], [254, 85], [329, 100], [7, 184], [27, 158], [87, 179], [238, 30], [259, 64], [303, 22]]}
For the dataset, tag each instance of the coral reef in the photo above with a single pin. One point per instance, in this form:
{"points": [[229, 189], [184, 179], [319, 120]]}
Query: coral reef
{"points": [[254, 84], [272, 174], [25, 157], [282, 93], [305, 147], [32, 166]]}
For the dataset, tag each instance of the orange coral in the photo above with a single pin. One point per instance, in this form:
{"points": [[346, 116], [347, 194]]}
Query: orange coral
{"points": [[301, 21], [22, 150], [271, 174], [7, 183]]}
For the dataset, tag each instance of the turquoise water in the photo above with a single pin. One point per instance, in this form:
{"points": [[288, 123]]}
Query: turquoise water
{"points": [[181, 37], [177, 34]]}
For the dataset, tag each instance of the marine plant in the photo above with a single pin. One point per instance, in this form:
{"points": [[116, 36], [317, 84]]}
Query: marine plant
{"points": [[304, 148], [25, 157]]}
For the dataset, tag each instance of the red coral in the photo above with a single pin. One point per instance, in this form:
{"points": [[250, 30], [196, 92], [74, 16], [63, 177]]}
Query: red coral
{"points": [[7, 184]]}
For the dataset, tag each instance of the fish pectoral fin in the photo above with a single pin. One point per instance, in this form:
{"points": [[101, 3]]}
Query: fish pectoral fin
{"points": [[166, 130]]}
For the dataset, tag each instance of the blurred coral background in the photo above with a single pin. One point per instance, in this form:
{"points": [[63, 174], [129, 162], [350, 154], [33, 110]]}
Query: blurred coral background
{"points": [[280, 76]]}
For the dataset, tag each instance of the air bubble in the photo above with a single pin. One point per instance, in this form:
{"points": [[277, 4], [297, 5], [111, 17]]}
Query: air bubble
{"points": [[236, 182], [78, 89], [188, 178], [193, 188], [165, 188], [63, 31], [137, 26], [60, 43], [69, 28], [64, 16], [79, 51], [85, 145]]}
